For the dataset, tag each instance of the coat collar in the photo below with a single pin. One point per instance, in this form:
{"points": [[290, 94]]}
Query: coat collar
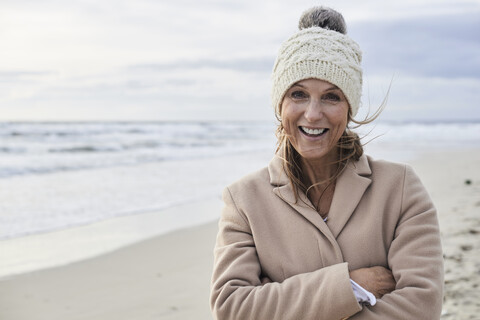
{"points": [[349, 189]]}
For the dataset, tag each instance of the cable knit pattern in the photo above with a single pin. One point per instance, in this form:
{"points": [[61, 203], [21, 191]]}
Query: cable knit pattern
{"points": [[322, 54]]}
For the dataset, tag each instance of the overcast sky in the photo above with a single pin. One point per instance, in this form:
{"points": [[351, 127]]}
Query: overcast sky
{"points": [[212, 59]]}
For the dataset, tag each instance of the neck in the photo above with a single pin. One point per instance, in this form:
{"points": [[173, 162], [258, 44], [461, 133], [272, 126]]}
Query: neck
{"points": [[318, 170]]}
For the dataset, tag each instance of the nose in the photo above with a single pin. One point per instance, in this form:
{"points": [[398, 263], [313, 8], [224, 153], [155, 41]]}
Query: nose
{"points": [[314, 111]]}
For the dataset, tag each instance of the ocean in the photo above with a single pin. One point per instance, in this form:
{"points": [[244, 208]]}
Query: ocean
{"points": [[103, 185], [58, 175]]}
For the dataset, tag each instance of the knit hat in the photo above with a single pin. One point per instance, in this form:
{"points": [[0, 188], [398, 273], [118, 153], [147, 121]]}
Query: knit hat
{"points": [[317, 52]]}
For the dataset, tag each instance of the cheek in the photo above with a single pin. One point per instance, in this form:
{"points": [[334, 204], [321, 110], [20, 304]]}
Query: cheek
{"points": [[339, 120], [341, 116], [286, 115], [290, 118], [287, 126]]}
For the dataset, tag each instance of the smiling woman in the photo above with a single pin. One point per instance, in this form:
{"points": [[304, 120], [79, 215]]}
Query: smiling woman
{"points": [[325, 232], [314, 116]]}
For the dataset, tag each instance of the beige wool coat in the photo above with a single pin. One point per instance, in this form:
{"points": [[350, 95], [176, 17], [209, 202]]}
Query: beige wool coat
{"points": [[277, 259]]}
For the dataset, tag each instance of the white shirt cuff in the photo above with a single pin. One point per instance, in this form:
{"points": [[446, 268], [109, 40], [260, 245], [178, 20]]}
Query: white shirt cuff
{"points": [[362, 295]]}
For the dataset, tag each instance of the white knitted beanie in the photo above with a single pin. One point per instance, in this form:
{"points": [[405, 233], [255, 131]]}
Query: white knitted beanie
{"points": [[315, 52]]}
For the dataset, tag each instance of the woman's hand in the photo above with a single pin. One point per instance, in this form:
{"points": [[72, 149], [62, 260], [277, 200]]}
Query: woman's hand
{"points": [[378, 280]]}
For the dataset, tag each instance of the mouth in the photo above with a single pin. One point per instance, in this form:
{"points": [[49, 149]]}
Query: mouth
{"points": [[311, 132]]}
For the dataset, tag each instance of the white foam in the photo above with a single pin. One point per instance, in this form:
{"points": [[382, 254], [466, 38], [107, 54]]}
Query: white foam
{"points": [[41, 203]]}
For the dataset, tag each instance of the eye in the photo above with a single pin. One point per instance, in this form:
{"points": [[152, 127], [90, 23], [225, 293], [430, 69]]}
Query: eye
{"points": [[298, 95], [333, 97]]}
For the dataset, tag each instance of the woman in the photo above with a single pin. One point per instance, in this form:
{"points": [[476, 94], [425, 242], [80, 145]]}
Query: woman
{"points": [[325, 232]]}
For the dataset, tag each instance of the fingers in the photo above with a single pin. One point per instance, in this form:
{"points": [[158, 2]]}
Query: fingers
{"points": [[383, 281], [378, 280]]}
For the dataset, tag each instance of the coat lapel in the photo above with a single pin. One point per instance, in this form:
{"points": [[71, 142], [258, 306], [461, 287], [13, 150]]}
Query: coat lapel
{"points": [[303, 206], [349, 190], [284, 191]]}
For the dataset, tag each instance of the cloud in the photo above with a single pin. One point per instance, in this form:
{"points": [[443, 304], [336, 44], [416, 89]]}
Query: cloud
{"points": [[423, 98], [16, 75], [433, 46], [212, 58], [255, 64]]}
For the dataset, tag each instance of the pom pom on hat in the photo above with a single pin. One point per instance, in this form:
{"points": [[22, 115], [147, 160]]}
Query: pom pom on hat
{"points": [[320, 50], [322, 17]]}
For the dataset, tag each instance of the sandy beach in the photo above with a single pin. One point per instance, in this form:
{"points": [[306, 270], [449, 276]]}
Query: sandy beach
{"points": [[167, 276]]}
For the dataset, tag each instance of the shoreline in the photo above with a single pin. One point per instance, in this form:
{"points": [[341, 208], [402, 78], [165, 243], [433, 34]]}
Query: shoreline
{"points": [[167, 276], [37, 252]]}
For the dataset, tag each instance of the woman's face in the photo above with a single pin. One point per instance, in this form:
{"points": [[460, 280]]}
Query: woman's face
{"points": [[314, 114]]}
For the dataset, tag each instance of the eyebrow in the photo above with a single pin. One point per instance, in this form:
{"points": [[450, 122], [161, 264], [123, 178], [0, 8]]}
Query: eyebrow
{"points": [[334, 87]]}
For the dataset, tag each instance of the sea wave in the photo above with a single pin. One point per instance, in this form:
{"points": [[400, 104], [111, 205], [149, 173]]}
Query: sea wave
{"points": [[36, 148], [54, 176]]}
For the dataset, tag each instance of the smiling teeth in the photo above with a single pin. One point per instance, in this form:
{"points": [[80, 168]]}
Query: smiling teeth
{"points": [[313, 131]]}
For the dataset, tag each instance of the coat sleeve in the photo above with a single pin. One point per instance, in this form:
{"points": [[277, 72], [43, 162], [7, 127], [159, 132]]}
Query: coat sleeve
{"points": [[415, 258], [238, 292]]}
